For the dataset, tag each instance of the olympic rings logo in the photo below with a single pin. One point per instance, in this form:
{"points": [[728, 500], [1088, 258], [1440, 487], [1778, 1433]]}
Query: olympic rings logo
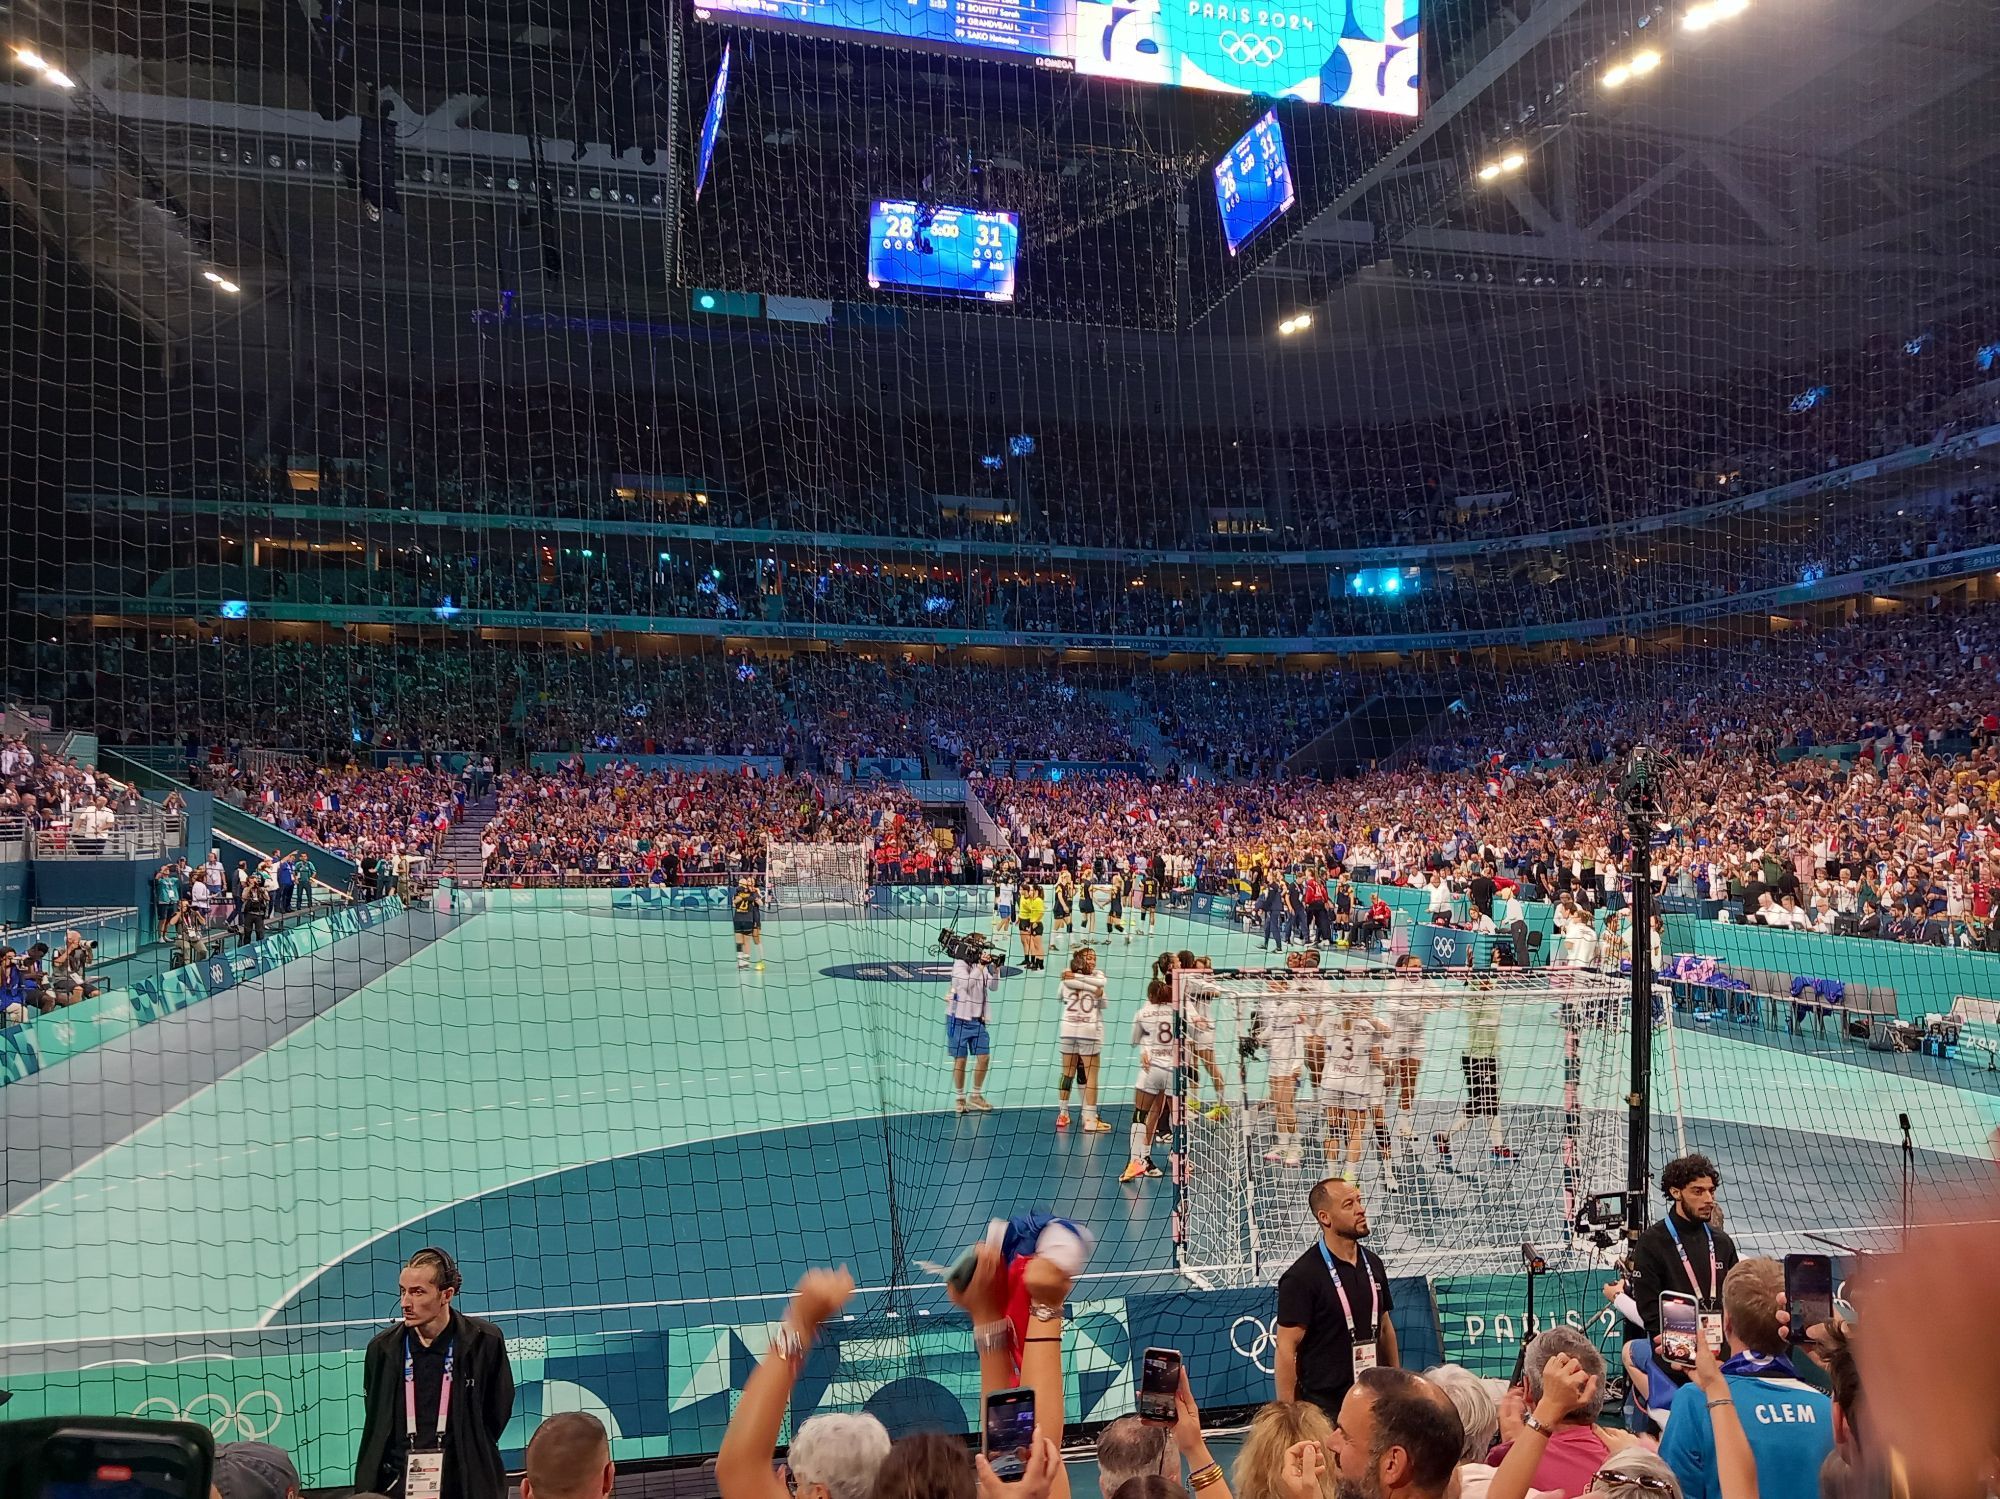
{"points": [[1260, 1346], [1248, 47], [1443, 946], [251, 1419]]}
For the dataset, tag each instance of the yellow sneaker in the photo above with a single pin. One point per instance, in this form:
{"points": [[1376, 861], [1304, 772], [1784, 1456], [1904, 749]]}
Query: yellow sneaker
{"points": [[1133, 1171]]}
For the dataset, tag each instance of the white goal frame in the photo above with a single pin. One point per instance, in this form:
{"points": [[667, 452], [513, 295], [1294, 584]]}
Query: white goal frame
{"points": [[1563, 1083], [801, 875]]}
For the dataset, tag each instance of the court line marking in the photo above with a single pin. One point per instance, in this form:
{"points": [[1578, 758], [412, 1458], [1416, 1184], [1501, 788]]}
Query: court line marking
{"points": [[215, 1082], [526, 1311], [264, 1321]]}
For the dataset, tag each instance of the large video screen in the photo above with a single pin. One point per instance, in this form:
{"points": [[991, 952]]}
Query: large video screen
{"points": [[952, 252], [1253, 183], [711, 123], [1361, 54]]}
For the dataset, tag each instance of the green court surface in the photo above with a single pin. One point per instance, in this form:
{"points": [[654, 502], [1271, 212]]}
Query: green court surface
{"points": [[616, 1129]]}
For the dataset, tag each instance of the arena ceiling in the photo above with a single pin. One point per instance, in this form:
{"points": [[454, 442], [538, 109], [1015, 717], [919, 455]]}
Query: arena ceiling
{"points": [[1816, 171]]}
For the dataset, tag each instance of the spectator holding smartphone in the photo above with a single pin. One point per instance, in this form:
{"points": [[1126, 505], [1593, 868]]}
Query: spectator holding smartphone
{"points": [[1685, 1251], [1789, 1423]]}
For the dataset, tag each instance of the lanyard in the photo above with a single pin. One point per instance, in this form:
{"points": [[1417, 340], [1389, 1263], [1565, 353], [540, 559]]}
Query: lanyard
{"points": [[1675, 1234], [410, 1390], [1347, 1307]]}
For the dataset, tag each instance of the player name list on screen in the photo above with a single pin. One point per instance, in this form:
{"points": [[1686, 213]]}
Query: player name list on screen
{"points": [[1010, 25]]}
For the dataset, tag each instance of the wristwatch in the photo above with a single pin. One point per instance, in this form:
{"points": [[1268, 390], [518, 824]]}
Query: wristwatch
{"points": [[1041, 1311], [1529, 1420]]}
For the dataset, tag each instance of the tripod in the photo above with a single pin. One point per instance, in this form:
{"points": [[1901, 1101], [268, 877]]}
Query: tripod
{"points": [[1535, 1266]]}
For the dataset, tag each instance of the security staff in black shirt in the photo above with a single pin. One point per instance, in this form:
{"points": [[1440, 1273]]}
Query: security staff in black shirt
{"points": [[1684, 1251], [1333, 1305], [437, 1390]]}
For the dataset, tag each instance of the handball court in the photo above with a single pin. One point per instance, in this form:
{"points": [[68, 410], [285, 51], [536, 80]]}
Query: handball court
{"points": [[615, 1129]]}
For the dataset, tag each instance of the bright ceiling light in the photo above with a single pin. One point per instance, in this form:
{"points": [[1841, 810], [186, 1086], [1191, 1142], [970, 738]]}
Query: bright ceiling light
{"points": [[1488, 172], [210, 276], [1644, 62], [58, 77], [1616, 77], [1513, 161], [229, 286], [30, 58], [1298, 322]]}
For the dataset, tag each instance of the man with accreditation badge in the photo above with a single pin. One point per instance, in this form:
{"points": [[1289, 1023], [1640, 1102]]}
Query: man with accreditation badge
{"points": [[1333, 1305], [434, 1433]]}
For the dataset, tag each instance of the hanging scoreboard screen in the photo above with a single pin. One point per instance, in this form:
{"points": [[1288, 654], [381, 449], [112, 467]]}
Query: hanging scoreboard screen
{"points": [[1359, 54], [1253, 183], [951, 252]]}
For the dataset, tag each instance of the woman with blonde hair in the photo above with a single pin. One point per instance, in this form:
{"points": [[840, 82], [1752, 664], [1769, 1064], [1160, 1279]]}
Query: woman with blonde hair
{"points": [[1279, 1429]]}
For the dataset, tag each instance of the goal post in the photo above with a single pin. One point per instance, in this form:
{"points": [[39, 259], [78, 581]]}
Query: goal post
{"points": [[817, 877], [1476, 1110]]}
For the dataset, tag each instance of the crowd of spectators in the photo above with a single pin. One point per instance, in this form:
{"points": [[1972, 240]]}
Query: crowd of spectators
{"points": [[352, 810], [564, 451], [624, 825]]}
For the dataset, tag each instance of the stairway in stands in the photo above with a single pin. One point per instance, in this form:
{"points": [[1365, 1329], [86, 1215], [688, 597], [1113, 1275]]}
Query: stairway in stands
{"points": [[460, 848]]}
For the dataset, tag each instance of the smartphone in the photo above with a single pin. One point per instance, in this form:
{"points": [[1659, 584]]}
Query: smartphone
{"points": [[1160, 1387], [1680, 1325], [1808, 1291], [1009, 1433], [85, 1457]]}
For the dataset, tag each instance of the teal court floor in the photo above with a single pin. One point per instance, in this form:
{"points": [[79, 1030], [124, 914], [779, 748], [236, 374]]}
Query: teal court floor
{"points": [[615, 1128]]}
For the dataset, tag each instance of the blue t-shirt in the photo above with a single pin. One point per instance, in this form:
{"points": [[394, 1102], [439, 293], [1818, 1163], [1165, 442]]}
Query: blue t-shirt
{"points": [[1789, 1424]]}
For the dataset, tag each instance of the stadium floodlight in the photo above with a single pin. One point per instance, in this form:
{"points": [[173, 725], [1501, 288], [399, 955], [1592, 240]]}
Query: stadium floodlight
{"points": [[29, 58], [1703, 16], [1513, 161], [1298, 322], [1638, 65], [1488, 172]]}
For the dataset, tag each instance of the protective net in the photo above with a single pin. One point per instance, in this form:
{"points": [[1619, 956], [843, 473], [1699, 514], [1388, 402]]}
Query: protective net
{"points": [[484, 472]]}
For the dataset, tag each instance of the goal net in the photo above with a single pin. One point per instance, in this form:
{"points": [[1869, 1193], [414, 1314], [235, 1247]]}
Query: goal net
{"points": [[1475, 1110], [812, 875]]}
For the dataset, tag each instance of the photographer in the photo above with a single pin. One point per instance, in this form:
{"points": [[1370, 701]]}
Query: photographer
{"points": [[72, 970], [256, 911], [975, 973]]}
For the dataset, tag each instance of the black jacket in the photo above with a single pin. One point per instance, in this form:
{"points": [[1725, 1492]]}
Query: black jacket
{"points": [[482, 1397], [1656, 1268]]}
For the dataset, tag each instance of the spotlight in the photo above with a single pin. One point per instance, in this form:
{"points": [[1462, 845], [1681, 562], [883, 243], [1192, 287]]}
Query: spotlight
{"points": [[1703, 16], [1513, 161], [1297, 323], [1638, 65], [1644, 62], [1616, 77], [29, 58], [1488, 172]]}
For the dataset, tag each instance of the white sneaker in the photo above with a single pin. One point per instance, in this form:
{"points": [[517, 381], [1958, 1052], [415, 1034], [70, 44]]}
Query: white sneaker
{"points": [[1404, 1128], [978, 1104], [1294, 1156], [1388, 1176]]}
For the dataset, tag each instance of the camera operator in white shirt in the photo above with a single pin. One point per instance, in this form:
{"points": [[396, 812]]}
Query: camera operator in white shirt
{"points": [[975, 974]]}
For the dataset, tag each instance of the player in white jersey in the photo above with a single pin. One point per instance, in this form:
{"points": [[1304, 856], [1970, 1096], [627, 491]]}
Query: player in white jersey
{"points": [[1003, 905], [1200, 1015], [1280, 1025], [1408, 1015], [1081, 1038], [1155, 1031], [1351, 1085]]}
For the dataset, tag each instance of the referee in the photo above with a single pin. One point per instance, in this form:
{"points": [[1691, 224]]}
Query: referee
{"points": [[1333, 1305]]}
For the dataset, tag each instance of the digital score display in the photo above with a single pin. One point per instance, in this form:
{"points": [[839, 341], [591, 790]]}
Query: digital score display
{"points": [[1253, 183], [711, 123], [1359, 54], [950, 252]]}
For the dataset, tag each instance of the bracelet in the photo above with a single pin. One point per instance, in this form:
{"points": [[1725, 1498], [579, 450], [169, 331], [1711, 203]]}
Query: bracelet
{"points": [[1534, 1423], [1053, 1337], [1042, 1311], [1719, 1401], [1206, 1478], [993, 1336], [789, 1343]]}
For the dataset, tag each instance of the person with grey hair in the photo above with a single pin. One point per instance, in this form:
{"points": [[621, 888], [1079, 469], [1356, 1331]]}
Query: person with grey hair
{"points": [[1129, 1448], [1635, 1474], [833, 1456], [1479, 1413], [1575, 1448], [836, 1456]]}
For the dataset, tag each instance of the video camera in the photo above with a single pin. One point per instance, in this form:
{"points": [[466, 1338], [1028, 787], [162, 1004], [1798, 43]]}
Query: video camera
{"points": [[967, 947]]}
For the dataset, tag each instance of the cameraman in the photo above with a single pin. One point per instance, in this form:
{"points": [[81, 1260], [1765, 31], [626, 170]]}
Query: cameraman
{"points": [[975, 973], [72, 970]]}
